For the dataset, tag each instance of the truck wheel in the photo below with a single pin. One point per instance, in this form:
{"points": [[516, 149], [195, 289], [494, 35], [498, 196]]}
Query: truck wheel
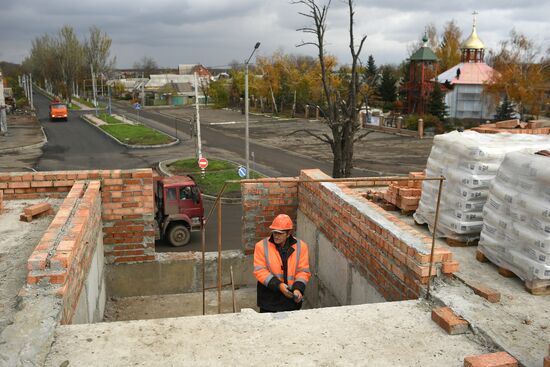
{"points": [[179, 235]]}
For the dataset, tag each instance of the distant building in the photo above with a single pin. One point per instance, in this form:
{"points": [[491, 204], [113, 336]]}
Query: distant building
{"points": [[190, 69], [463, 83], [422, 70]]}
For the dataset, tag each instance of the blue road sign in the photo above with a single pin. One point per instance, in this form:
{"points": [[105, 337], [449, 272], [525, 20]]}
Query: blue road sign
{"points": [[242, 171], [137, 106]]}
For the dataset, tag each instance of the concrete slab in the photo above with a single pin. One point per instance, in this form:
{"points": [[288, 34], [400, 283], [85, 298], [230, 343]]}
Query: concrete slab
{"points": [[17, 241], [177, 305], [519, 323], [389, 334]]}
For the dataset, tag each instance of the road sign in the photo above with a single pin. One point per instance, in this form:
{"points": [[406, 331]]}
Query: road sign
{"points": [[137, 106], [242, 171], [203, 163]]}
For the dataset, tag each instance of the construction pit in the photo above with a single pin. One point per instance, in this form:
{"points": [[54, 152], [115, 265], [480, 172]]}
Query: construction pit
{"points": [[86, 287]]}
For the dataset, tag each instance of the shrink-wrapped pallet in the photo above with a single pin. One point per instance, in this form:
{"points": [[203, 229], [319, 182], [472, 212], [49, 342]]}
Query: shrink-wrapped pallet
{"points": [[469, 161], [516, 217]]}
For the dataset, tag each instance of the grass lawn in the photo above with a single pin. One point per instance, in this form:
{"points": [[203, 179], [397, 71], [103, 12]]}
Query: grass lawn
{"points": [[89, 104], [136, 134], [74, 107], [217, 173], [109, 119]]}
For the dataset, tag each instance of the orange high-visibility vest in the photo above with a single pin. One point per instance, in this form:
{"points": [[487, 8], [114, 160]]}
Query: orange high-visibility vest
{"points": [[268, 263]]}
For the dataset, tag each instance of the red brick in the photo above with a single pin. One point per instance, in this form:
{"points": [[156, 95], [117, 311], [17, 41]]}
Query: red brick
{"points": [[449, 322], [37, 209], [488, 293], [499, 359], [450, 267]]}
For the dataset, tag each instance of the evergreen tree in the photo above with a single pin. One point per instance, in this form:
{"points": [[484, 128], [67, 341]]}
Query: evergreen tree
{"points": [[436, 105], [371, 70], [506, 110], [387, 88]]}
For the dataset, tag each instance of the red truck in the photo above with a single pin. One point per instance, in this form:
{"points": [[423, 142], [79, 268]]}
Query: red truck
{"points": [[58, 110], [178, 208]]}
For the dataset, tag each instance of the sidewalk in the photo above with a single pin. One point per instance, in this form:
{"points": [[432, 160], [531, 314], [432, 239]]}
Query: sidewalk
{"points": [[21, 148]]}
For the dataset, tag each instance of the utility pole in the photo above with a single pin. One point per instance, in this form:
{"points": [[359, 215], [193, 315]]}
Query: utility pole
{"points": [[199, 145], [247, 146], [3, 118], [109, 89], [94, 88], [30, 91], [142, 90]]}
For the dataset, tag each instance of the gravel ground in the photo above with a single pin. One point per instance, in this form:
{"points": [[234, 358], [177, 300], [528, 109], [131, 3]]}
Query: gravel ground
{"points": [[384, 153]]}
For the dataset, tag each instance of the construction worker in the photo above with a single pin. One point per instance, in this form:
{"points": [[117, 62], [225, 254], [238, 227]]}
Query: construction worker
{"points": [[281, 265]]}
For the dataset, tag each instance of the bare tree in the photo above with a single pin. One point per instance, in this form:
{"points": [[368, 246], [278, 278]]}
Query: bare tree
{"points": [[69, 57], [97, 51], [340, 106], [147, 65], [204, 85]]}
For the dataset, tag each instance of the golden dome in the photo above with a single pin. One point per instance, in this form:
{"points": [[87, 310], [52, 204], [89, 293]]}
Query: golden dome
{"points": [[473, 42]]}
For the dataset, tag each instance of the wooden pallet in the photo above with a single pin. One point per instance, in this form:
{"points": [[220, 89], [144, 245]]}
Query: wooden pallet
{"points": [[539, 287], [456, 243]]}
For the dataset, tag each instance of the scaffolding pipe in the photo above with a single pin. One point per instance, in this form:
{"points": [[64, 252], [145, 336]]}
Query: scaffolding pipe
{"points": [[433, 237]]}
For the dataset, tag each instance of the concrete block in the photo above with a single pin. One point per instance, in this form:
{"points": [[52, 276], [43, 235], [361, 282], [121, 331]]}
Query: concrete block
{"points": [[362, 291], [80, 315], [500, 359], [333, 269], [307, 231]]}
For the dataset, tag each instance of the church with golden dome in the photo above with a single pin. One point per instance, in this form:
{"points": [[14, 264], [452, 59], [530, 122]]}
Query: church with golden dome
{"points": [[463, 83]]}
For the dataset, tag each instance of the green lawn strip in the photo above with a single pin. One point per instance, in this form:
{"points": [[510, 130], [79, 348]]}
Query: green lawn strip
{"points": [[216, 174], [110, 119], [136, 134], [89, 104], [74, 106]]}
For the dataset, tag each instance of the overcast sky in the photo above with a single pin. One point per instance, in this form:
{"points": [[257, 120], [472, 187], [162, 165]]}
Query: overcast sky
{"points": [[215, 32]]}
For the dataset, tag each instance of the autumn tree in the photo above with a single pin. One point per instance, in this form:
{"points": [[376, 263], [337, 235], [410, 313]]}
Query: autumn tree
{"points": [[340, 109], [522, 74], [448, 50], [219, 92]]}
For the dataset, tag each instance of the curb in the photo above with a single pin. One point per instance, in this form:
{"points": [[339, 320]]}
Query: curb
{"points": [[177, 141], [224, 200], [30, 146]]}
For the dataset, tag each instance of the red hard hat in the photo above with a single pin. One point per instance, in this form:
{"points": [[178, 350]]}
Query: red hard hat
{"points": [[282, 222]]}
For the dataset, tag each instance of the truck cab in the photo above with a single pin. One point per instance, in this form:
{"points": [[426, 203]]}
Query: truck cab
{"points": [[58, 110], [178, 208]]}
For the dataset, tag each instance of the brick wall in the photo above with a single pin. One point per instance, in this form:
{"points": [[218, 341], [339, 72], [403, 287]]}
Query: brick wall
{"points": [[62, 259], [393, 256], [127, 209], [262, 202]]}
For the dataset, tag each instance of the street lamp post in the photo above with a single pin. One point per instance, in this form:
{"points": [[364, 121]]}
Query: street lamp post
{"points": [[247, 147]]}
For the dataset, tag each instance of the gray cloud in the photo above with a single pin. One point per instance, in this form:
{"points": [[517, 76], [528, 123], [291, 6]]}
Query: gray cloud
{"points": [[215, 32]]}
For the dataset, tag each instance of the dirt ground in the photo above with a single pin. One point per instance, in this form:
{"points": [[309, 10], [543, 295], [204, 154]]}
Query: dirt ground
{"points": [[17, 241], [176, 305], [381, 152]]}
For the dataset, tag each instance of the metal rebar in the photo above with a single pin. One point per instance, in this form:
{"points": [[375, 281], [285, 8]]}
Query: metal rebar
{"points": [[219, 256], [203, 247], [233, 289], [433, 237], [218, 198]]}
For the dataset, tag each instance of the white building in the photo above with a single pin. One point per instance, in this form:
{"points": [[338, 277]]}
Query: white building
{"points": [[464, 93]]}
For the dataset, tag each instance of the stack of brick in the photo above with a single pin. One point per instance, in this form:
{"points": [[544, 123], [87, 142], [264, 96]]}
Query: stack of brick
{"points": [[405, 194], [513, 127]]}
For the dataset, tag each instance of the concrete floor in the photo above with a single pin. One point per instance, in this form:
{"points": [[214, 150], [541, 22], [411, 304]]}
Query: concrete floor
{"points": [[177, 305], [386, 334], [17, 241], [519, 323]]}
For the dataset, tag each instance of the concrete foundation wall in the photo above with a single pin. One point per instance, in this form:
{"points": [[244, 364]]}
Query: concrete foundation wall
{"points": [[174, 273], [334, 281], [93, 297]]}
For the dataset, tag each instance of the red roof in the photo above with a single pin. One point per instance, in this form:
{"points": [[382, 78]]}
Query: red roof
{"points": [[470, 73]]}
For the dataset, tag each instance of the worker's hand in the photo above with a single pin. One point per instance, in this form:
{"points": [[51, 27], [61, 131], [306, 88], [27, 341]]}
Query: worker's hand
{"points": [[298, 296], [284, 290]]}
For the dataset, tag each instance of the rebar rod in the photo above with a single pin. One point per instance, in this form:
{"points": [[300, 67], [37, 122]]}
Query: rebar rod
{"points": [[433, 237]]}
